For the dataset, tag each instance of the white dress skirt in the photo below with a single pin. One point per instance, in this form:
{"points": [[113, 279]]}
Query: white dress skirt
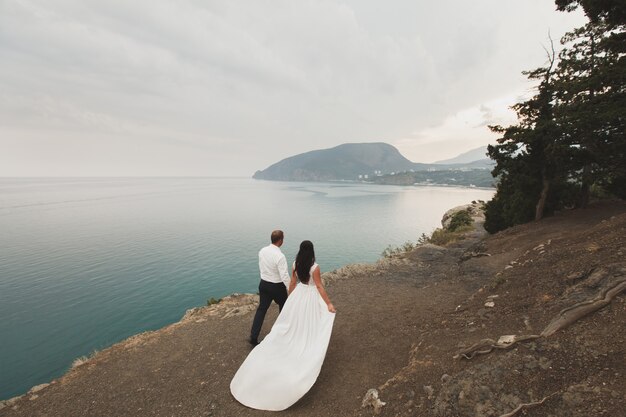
{"points": [[285, 365]]}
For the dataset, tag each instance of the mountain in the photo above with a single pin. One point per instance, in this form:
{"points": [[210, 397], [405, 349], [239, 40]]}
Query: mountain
{"points": [[361, 161], [467, 157], [343, 162]]}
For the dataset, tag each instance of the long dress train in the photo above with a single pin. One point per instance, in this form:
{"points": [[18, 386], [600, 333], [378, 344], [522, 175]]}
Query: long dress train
{"points": [[285, 365]]}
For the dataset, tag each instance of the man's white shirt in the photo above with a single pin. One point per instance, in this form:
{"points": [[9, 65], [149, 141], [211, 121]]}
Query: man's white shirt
{"points": [[273, 265]]}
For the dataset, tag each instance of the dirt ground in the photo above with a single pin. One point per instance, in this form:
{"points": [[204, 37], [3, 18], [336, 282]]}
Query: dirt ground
{"points": [[400, 323]]}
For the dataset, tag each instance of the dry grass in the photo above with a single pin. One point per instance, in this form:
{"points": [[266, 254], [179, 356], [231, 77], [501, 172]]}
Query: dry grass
{"points": [[79, 361], [442, 237], [83, 359]]}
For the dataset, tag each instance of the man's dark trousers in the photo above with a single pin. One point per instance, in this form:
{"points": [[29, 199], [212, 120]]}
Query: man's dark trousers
{"points": [[268, 292]]}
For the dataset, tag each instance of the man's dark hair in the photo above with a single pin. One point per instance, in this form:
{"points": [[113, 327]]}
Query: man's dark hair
{"points": [[277, 236]]}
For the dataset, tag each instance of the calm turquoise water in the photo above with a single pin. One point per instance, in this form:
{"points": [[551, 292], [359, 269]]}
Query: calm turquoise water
{"points": [[85, 263]]}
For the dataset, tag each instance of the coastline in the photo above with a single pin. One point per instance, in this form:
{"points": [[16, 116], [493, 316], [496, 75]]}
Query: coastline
{"points": [[108, 312], [235, 304], [231, 305], [406, 331], [380, 183]]}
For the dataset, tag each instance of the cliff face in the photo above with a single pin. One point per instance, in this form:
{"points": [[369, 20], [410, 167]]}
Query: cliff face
{"points": [[462, 330]]}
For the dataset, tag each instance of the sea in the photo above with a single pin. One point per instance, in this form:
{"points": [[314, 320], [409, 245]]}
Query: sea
{"points": [[88, 262]]}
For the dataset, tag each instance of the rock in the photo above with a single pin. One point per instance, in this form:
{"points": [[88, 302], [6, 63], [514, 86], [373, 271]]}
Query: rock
{"points": [[429, 252], [37, 388], [485, 410], [527, 323], [484, 313], [10, 403], [445, 378], [508, 267], [233, 305], [469, 255], [429, 391], [575, 276], [490, 304], [576, 395], [510, 400], [545, 363], [486, 388], [371, 399], [506, 340]]}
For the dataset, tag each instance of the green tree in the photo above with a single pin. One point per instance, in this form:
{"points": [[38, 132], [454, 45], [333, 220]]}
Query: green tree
{"points": [[530, 157], [607, 24], [591, 108], [612, 12], [571, 135]]}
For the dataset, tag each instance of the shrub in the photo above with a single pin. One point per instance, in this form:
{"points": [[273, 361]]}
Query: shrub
{"points": [[389, 251], [424, 238], [460, 223], [392, 251], [408, 246], [617, 186], [212, 301], [460, 219], [497, 281]]}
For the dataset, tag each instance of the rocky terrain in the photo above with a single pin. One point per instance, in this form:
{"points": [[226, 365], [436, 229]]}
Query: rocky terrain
{"points": [[529, 321]]}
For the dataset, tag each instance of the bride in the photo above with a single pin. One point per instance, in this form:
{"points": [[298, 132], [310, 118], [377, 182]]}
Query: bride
{"points": [[285, 365]]}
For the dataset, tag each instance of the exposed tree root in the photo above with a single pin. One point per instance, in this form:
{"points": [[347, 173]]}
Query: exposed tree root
{"points": [[527, 405], [488, 345], [565, 318], [577, 311]]}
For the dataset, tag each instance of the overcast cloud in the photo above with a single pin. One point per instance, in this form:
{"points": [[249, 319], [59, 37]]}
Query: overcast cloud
{"points": [[227, 87]]}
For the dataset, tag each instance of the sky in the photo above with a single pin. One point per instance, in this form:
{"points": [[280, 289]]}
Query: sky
{"points": [[225, 88]]}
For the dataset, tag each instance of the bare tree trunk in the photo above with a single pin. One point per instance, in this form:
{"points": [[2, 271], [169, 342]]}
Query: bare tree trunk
{"points": [[585, 187], [541, 204], [586, 176]]}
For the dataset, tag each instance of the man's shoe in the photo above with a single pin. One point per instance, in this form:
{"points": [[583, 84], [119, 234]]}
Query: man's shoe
{"points": [[253, 342]]}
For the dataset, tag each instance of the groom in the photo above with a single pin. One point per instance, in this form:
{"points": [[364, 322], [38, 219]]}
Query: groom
{"points": [[274, 282]]}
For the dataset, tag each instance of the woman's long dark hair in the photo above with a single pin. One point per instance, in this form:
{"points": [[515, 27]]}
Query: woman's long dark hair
{"points": [[305, 260]]}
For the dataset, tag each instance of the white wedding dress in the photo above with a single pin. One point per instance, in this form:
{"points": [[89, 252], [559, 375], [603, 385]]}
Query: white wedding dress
{"points": [[285, 365]]}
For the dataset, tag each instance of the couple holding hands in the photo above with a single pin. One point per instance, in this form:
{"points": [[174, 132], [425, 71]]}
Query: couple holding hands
{"points": [[284, 366]]}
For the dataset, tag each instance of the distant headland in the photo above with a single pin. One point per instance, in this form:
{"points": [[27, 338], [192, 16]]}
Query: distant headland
{"points": [[380, 163]]}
